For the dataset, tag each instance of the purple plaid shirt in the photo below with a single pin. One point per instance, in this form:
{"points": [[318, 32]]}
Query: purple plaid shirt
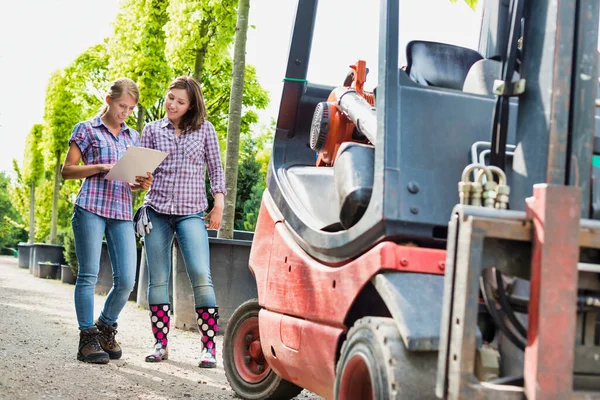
{"points": [[178, 184], [109, 199]]}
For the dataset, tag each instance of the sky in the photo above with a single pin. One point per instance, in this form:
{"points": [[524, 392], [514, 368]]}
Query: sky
{"points": [[38, 37]]}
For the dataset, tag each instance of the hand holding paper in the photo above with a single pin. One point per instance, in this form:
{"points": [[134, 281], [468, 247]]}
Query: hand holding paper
{"points": [[137, 161]]}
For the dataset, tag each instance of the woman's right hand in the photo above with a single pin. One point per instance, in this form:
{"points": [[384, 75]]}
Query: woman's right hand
{"points": [[104, 167]]}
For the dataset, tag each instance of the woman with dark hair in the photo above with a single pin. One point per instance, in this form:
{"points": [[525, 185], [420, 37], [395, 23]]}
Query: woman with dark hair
{"points": [[103, 207], [175, 205]]}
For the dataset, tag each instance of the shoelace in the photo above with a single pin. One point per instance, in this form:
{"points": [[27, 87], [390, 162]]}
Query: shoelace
{"points": [[110, 337], [91, 338]]}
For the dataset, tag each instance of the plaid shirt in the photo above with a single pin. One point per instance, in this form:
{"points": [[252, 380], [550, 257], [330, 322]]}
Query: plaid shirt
{"points": [[109, 199], [178, 186]]}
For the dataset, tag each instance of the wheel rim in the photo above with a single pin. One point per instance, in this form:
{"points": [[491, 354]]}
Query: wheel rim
{"points": [[247, 352], [356, 380]]}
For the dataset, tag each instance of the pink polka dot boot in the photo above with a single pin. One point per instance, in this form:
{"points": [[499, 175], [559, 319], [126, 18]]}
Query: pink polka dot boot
{"points": [[208, 326], [161, 323]]}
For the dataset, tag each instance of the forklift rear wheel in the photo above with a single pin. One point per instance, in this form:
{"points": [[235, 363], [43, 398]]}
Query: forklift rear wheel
{"points": [[374, 364], [247, 371]]}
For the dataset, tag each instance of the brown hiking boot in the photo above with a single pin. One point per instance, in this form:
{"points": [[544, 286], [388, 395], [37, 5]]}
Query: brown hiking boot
{"points": [[89, 347], [107, 340]]}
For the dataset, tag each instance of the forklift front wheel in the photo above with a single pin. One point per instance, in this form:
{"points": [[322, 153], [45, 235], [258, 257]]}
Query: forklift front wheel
{"points": [[247, 371], [374, 364]]}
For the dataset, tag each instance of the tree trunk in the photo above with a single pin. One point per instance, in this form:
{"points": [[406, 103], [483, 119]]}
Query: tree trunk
{"points": [[140, 118], [54, 220], [141, 115], [32, 213], [235, 117], [200, 56]]}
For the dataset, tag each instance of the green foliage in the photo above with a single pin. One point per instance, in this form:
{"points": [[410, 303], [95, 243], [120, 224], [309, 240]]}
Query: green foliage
{"points": [[33, 160], [43, 210], [61, 113], [470, 3], [216, 90], [137, 48], [255, 154], [201, 32], [12, 230], [18, 193], [69, 250], [88, 76]]}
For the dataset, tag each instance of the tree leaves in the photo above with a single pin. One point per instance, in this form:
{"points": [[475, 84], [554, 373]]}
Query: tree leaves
{"points": [[137, 48], [33, 162], [470, 3]]}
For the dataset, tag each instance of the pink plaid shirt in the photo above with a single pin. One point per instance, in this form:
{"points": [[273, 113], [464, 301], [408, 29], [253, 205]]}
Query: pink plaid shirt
{"points": [[178, 186], [109, 199]]}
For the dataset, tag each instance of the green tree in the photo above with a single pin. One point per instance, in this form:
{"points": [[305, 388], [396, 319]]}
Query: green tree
{"points": [[235, 117], [217, 89], [61, 113], [18, 193], [137, 50], [33, 171], [88, 76], [199, 34], [249, 181], [12, 230]]}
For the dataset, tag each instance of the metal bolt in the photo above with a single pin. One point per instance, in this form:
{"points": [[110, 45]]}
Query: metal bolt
{"points": [[413, 187], [414, 210], [404, 262], [249, 338], [442, 265], [260, 368], [298, 61], [247, 359]]}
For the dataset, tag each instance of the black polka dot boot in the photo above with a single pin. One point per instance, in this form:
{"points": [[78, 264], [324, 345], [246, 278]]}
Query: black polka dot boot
{"points": [[208, 325], [161, 323]]}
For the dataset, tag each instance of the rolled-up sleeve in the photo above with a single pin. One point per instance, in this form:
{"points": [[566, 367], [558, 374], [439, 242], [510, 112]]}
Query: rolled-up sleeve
{"points": [[213, 160], [81, 137]]}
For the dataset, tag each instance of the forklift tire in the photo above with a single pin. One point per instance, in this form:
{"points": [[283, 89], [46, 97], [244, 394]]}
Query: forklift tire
{"points": [[246, 370], [374, 364]]}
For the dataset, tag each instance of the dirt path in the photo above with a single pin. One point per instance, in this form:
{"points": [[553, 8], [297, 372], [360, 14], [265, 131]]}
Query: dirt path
{"points": [[38, 342]]}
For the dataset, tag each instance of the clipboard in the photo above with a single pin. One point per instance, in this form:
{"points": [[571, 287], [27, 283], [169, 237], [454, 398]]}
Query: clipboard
{"points": [[136, 161]]}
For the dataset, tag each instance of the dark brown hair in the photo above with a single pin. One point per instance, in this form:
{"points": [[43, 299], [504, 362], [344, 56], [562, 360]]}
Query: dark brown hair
{"points": [[194, 117], [118, 88]]}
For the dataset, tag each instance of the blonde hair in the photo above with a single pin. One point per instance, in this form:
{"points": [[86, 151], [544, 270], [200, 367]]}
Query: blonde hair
{"points": [[118, 88], [193, 119]]}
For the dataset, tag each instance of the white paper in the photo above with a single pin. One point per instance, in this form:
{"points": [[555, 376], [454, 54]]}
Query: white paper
{"points": [[136, 161]]}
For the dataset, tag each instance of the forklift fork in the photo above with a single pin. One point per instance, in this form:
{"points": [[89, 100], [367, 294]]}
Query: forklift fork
{"points": [[543, 245]]}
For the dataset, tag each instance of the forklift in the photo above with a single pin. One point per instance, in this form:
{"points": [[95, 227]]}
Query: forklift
{"points": [[437, 237]]}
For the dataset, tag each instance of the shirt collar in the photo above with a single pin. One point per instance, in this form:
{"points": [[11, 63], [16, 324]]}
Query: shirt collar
{"points": [[97, 122], [165, 122]]}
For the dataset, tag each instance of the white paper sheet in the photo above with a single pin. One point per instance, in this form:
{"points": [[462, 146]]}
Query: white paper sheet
{"points": [[136, 161]]}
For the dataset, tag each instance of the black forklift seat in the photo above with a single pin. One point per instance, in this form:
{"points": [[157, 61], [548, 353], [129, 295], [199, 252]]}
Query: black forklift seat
{"points": [[439, 64]]}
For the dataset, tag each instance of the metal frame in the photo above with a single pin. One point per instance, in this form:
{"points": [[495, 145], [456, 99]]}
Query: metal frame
{"points": [[473, 246]]}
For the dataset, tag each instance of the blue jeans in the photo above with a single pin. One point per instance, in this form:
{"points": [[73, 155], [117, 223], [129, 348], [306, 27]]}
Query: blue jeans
{"points": [[193, 241], [89, 230]]}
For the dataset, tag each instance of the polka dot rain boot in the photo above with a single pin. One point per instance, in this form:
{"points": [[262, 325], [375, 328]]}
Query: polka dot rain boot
{"points": [[161, 323], [208, 326]]}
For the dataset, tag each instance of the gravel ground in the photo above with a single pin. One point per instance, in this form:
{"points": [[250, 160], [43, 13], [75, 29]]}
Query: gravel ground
{"points": [[38, 344]]}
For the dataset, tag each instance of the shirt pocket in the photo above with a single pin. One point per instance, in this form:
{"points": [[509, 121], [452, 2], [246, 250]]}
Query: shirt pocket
{"points": [[194, 151], [103, 152]]}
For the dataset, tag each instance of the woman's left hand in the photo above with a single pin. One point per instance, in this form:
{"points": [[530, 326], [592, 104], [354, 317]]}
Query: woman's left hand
{"points": [[144, 182], [214, 217]]}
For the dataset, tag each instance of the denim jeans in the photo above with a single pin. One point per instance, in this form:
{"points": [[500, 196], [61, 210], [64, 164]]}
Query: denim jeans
{"points": [[193, 241], [89, 230]]}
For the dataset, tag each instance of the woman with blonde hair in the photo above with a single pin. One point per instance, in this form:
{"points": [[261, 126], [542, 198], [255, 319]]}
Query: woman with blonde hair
{"points": [[103, 207]]}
